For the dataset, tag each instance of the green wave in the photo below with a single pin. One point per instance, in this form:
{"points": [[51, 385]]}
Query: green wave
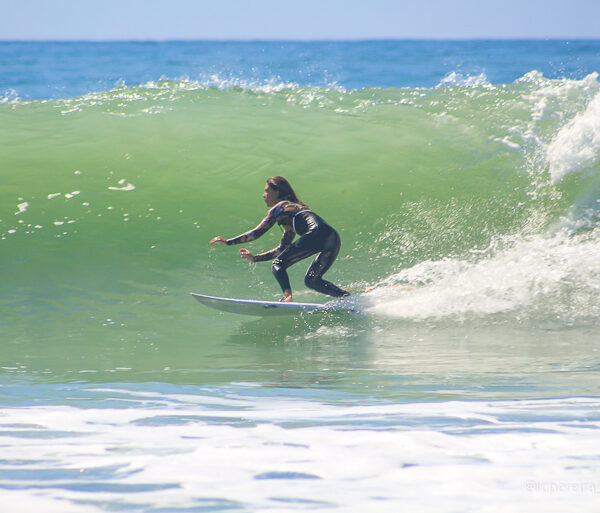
{"points": [[110, 199]]}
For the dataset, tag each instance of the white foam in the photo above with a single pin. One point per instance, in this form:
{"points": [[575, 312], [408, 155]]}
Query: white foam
{"points": [[22, 207], [124, 186], [10, 96], [455, 78], [577, 144], [531, 273], [270, 454], [562, 134]]}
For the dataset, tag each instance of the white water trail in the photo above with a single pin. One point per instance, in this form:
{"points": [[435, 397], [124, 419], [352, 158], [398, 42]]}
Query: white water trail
{"points": [[556, 275]]}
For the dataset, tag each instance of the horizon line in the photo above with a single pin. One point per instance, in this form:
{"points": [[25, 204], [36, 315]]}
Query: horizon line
{"points": [[298, 40]]}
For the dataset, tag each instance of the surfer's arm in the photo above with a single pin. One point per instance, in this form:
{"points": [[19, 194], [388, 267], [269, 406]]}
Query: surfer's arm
{"points": [[257, 232], [286, 240]]}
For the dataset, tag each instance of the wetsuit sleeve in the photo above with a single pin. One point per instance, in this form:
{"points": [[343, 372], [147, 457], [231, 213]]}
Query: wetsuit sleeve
{"points": [[286, 240], [260, 230]]}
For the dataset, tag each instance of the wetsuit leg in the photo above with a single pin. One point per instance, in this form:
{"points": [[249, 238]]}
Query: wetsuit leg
{"points": [[320, 265], [324, 242], [299, 250]]}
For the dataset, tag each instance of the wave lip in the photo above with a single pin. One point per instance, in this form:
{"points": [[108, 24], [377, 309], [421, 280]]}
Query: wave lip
{"points": [[577, 144], [455, 78]]}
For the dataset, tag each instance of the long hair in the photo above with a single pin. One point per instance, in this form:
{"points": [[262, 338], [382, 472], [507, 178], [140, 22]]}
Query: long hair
{"points": [[283, 187]]}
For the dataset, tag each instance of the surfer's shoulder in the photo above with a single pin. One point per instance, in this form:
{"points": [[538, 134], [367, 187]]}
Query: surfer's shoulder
{"points": [[290, 206], [284, 207], [283, 211]]}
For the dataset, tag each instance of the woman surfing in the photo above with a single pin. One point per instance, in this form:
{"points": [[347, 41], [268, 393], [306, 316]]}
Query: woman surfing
{"points": [[316, 237]]}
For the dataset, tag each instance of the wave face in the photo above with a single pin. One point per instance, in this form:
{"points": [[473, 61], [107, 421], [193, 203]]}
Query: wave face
{"points": [[457, 201]]}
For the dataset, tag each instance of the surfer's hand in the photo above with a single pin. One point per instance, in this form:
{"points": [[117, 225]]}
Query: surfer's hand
{"points": [[218, 240], [245, 254]]}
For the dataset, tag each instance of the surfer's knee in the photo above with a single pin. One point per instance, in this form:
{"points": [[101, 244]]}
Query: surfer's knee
{"points": [[311, 281], [277, 266]]}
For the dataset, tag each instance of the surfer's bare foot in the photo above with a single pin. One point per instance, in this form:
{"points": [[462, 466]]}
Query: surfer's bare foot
{"points": [[287, 297]]}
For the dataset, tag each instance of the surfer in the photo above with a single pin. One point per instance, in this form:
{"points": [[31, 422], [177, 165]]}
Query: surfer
{"points": [[316, 237]]}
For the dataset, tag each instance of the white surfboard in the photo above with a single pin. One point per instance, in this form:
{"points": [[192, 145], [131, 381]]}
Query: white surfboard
{"points": [[268, 308]]}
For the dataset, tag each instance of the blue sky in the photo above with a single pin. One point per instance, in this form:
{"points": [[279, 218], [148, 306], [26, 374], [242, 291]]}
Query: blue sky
{"points": [[298, 19]]}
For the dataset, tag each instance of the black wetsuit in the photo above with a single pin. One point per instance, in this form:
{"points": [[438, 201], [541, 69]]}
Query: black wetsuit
{"points": [[316, 237]]}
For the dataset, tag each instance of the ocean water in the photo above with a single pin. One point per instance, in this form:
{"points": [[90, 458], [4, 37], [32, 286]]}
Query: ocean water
{"points": [[464, 179]]}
